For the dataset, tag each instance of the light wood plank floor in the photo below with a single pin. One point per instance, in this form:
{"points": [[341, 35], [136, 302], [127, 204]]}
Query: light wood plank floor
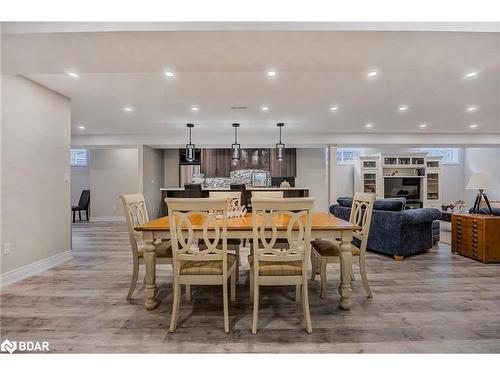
{"points": [[436, 302]]}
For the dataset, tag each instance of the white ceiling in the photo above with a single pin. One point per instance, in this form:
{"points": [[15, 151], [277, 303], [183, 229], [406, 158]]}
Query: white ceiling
{"points": [[215, 70]]}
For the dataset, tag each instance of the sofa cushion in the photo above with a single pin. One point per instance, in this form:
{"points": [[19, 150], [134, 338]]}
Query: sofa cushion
{"points": [[390, 204]]}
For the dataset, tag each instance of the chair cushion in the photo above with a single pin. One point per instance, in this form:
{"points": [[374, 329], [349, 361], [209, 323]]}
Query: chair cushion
{"points": [[328, 248], [213, 267], [277, 268]]}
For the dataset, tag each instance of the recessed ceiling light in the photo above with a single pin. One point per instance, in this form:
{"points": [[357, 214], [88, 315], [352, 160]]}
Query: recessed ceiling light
{"points": [[422, 126], [169, 74], [473, 126], [334, 108], [372, 73], [403, 108], [369, 125], [194, 108], [471, 109], [73, 74], [81, 127], [471, 74], [265, 108], [271, 73], [128, 108]]}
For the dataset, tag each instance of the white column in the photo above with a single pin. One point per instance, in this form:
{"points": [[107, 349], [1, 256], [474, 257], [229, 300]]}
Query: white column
{"points": [[332, 173]]}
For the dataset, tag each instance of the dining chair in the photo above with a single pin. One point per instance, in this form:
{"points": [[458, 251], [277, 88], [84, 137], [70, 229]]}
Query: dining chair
{"points": [[267, 194], [83, 205], [231, 197], [324, 251], [136, 214], [280, 266], [280, 242], [243, 190], [205, 219]]}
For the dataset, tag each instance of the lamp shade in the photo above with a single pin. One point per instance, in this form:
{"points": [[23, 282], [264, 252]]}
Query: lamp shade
{"points": [[480, 180]]}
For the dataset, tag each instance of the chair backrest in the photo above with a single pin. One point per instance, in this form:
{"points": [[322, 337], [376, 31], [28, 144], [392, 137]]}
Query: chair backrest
{"points": [[293, 215], [192, 190], [242, 188], [267, 194], [84, 199], [361, 215], [191, 218], [232, 197], [136, 214]]}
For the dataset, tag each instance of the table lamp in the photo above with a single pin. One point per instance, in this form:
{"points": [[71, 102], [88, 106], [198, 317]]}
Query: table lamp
{"points": [[480, 181]]}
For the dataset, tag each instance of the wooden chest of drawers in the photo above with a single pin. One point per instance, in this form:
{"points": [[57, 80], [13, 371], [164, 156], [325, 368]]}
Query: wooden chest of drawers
{"points": [[476, 236]]}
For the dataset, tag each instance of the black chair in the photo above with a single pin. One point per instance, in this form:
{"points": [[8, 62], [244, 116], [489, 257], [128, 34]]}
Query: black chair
{"points": [[83, 205], [192, 191], [243, 189]]}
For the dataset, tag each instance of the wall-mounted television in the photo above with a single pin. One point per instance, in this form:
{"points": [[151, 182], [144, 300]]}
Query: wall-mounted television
{"points": [[402, 187]]}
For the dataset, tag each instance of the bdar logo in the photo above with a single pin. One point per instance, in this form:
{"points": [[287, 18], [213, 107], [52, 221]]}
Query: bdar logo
{"points": [[8, 346]]}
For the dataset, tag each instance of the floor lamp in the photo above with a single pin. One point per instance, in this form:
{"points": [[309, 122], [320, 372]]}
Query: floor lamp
{"points": [[480, 181]]}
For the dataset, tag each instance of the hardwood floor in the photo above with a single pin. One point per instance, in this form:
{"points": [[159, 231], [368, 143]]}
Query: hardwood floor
{"points": [[435, 302]]}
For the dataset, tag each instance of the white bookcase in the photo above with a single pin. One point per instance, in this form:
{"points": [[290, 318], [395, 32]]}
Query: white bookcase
{"points": [[372, 172]]}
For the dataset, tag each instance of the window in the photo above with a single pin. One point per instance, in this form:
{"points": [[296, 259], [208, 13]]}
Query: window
{"points": [[79, 157], [347, 156], [450, 155]]}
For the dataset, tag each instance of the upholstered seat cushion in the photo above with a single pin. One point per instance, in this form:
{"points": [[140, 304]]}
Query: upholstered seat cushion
{"points": [[277, 268], [328, 248], [214, 267]]}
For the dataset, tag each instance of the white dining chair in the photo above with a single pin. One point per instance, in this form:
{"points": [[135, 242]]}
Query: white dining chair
{"points": [[136, 214], [206, 220], [280, 266], [324, 251]]}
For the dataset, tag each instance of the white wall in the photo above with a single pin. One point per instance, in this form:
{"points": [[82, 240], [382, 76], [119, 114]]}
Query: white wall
{"points": [[171, 167], [35, 143], [112, 172], [153, 179], [80, 180], [482, 160], [312, 173], [345, 180]]}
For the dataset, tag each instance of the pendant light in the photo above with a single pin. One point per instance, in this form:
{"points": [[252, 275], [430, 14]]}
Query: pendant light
{"points": [[190, 147], [280, 147], [236, 146]]}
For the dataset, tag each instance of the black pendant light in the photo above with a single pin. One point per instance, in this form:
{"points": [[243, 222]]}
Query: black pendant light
{"points": [[190, 146], [236, 146], [280, 147]]}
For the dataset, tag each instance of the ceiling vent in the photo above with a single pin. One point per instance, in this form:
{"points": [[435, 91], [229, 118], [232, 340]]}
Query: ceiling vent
{"points": [[236, 108]]}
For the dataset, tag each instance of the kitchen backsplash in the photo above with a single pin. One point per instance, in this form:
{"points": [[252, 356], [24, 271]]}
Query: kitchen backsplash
{"points": [[240, 176]]}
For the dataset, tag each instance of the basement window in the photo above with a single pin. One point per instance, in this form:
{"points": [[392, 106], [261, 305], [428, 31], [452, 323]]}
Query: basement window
{"points": [[79, 157], [347, 156], [450, 155]]}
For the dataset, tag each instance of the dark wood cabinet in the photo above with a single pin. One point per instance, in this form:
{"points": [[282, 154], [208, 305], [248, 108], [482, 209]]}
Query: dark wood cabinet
{"points": [[252, 158], [286, 167], [216, 162], [476, 236]]}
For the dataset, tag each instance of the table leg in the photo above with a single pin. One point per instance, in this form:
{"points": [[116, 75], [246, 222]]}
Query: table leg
{"points": [[345, 270], [150, 290]]}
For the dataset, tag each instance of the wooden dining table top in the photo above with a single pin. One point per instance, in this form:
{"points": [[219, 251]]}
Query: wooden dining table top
{"points": [[320, 221]]}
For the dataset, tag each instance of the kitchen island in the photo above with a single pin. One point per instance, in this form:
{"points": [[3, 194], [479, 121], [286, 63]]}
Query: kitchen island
{"points": [[179, 192]]}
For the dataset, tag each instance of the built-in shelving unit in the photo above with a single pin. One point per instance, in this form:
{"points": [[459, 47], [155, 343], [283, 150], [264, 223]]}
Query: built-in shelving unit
{"points": [[415, 175]]}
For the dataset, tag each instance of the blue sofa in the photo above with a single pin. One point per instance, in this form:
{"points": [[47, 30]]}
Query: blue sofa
{"points": [[394, 230]]}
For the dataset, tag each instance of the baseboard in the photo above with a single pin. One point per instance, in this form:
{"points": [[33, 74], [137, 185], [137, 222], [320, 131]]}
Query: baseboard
{"points": [[34, 268], [107, 218]]}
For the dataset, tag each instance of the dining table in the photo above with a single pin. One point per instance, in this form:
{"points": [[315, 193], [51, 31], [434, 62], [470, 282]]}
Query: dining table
{"points": [[323, 225]]}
